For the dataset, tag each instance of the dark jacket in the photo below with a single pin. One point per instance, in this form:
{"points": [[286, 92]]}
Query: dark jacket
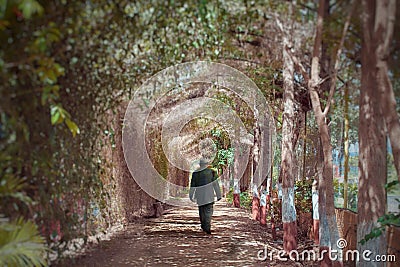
{"points": [[203, 185]]}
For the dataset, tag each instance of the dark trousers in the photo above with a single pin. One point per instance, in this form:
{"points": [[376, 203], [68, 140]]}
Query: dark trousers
{"points": [[206, 212]]}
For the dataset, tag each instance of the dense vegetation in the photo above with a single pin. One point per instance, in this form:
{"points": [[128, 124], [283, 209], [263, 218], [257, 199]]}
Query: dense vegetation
{"points": [[67, 67]]}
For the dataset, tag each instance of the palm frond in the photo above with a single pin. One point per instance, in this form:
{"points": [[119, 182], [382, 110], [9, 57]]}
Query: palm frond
{"points": [[21, 244], [12, 186]]}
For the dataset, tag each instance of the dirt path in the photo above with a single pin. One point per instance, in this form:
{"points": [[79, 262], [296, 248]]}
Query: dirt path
{"points": [[176, 239]]}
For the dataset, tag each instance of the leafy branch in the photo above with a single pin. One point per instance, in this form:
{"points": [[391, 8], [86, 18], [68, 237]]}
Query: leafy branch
{"points": [[390, 219]]}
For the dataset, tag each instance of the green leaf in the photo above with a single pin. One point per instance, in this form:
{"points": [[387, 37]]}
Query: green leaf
{"points": [[55, 117], [30, 7], [59, 70], [40, 43], [72, 127], [53, 109]]}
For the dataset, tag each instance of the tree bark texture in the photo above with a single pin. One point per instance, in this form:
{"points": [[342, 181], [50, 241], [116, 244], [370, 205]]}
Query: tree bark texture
{"points": [[385, 16], [326, 199], [288, 131], [346, 146], [372, 135]]}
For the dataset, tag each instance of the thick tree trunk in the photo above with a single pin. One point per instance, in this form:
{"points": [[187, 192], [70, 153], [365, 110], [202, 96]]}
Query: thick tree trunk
{"points": [[372, 136], [328, 238], [372, 166], [322, 222], [288, 208], [388, 106], [326, 200], [385, 15]]}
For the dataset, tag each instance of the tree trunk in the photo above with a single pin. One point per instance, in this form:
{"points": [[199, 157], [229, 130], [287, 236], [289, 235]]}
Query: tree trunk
{"points": [[372, 136], [288, 208], [236, 194], [305, 145], [322, 222], [385, 16], [236, 178], [256, 157], [326, 200], [263, 207], [346, 146], [315, 203], [270, 207], [225, 179]]}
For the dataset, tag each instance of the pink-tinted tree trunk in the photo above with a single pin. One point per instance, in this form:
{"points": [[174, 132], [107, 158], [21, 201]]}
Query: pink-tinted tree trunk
{"points": [[288, 208]]}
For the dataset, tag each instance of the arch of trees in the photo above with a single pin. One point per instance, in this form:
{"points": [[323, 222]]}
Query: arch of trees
{"points": [[329, 72]]}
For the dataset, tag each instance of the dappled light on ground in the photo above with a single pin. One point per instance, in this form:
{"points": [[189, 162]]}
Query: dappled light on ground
{"points": [[176, 239]]}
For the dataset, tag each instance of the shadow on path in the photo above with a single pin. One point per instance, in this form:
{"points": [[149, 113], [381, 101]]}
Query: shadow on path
{"points": [[175, 239]]}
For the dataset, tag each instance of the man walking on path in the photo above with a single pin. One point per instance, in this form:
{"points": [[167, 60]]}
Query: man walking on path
{"points": [[202, 187]]}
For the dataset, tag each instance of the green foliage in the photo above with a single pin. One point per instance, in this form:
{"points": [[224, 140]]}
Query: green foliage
{"points": [[11, 189], [39, 68], [225, 156], [390, 219], [229, 196], [393, 187], [303, 196], [276, 209], [30, 7], [225, 153], [240, 107], [59, 115], [160, 161], [391, 184], [245, 199], [21, 244], [72, 64], [352, 191], [45, 174], [20, 241], [65, 67]]}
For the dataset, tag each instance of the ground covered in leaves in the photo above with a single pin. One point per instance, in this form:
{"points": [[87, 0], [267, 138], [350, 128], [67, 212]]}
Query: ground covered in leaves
{"points": [[175, 239]]}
